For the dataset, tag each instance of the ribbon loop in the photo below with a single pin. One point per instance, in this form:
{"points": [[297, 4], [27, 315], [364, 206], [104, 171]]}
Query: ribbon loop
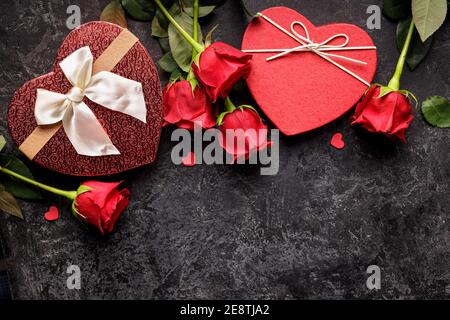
{"points": [[79, 120], [320, 49], [295, 23], [107, 89], [77, 67]]}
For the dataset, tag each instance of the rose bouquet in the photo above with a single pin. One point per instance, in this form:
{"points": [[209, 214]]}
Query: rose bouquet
{"points": [[214, 70], [202, 73]]}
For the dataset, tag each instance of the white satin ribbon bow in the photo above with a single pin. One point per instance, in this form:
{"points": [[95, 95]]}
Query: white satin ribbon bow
{"points": [[306, 44], [105, 88]]}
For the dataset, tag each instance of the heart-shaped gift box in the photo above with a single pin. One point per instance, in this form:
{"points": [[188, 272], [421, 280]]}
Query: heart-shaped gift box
{"points": [[137, 141], [302, 91]]}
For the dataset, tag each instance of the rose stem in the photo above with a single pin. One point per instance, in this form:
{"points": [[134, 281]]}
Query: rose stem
{"points": [[68, 194], [191, 76], [394, 84], [192, 42], [196, 11]]}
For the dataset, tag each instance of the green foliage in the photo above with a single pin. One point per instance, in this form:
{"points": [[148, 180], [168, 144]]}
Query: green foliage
{"points": [[114, 13], [170, 39], [11, 188], [2, 143], [418, 50], [202, 11], [436, 111], [8, 204], [142, 10], [397, 9], [17, 188], [428, 15], [168, 63], [180, 48]]}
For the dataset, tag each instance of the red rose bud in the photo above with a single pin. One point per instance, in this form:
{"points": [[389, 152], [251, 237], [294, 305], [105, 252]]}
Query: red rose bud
{"points": [[390, 114], [100, 204], [219, 67], [249, 132], [183, 107]]}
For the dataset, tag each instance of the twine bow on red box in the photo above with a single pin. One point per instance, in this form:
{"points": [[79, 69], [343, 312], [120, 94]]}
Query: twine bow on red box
{"points": [[308, 45]]}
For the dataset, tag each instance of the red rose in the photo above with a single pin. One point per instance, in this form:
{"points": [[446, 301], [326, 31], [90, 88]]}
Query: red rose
{"points": [[219, 67], [245, 125], [183, 108], [100, 204], [390, 115]]}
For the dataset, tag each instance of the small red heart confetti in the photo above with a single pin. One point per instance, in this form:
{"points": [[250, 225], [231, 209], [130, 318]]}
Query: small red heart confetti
{"points": [[337, 141], [189, 160], [52, 214]]}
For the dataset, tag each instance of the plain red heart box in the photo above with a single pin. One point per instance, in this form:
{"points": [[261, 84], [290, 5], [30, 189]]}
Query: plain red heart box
{"points": [[301, 91], [137, 141]]}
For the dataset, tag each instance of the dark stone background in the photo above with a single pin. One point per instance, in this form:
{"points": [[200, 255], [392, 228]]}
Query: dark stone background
{"points": [[227, 232]]}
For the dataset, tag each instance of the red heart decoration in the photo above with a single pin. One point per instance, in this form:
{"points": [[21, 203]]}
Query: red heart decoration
{"points": [[301, 91], [337, 141], [52, 214], [138, 142]]}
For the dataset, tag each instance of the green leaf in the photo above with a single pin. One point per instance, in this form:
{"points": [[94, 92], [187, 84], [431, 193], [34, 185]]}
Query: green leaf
{"points": [[2, 143], [114, 13], [418, 50], [397, 9], [143, 10], [181, 49], [176, 74], [157, 30], [436, 111], [167, 3], [428, 15], [17, 188], [8, 204], [162, 20], [160, 24], [164, 44], [202, 11], [174, 10], [167, 63]]}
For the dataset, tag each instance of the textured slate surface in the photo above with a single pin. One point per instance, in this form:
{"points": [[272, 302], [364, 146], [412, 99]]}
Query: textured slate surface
{"points": [[227, 232], [5, 287]]}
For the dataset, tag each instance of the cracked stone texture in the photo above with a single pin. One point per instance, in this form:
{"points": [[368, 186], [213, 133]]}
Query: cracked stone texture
{"points": [[226, 231]]}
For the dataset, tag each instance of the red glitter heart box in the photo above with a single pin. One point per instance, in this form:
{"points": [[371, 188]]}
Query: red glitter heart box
{"points": [[113, 49]]}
